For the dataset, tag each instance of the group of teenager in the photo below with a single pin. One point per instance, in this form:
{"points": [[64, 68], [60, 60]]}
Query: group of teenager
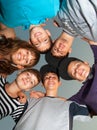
{"points": [[48, 110]]}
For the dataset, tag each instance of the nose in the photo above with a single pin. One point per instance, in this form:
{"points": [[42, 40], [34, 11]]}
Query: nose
{"points": [[24, 57], [50, 78], [40, 39], [27, 79]]}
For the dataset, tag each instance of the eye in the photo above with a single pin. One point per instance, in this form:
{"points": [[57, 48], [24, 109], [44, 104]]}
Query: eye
{"points": [[27, 74], [46, 40], [55, 49], [46, 77], [31, 82], [27, 52], [27, 62], [36, 44]]}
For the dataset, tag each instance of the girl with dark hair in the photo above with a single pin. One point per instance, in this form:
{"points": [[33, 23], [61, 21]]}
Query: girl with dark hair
{"points": [[16, 54]]}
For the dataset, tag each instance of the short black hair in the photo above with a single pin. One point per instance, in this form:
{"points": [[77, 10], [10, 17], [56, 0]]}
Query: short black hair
{"points": [[47, 69], [63, 67]]}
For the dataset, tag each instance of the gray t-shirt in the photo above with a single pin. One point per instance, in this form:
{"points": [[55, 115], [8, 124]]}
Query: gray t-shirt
{"points": [[79, 18], [50, 113]]}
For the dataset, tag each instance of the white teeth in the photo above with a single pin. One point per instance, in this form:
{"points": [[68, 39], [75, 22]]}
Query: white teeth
{"points": [[19, 56]]}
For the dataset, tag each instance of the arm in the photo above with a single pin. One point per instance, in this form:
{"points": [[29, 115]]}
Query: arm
{"points": [[8, 32], [79, 112], [22, 98], [93, 46], [36, 94]]}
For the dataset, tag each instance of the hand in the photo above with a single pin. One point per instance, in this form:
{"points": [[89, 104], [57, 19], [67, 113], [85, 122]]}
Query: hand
{"points": [[3, 75], [22, 98], [89, 41], [36, 94]]}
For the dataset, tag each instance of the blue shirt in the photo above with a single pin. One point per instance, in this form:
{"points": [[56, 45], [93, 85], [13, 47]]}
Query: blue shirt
{"points": [[15, 13]]}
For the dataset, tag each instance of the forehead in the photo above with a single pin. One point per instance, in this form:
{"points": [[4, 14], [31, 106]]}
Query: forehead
{"points": [[73, 63], [50, 74]]}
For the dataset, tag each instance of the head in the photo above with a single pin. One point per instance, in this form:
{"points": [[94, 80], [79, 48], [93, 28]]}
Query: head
{"points": [[74, 68], [21, 54], [28, 79], [62, 45], [40, 38], [50, 77]]}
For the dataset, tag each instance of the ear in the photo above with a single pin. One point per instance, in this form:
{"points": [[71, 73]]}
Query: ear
{"points": [[60, 83], [29, 42], [48, 32], [85, 62], [20, 66], [53, 41], [70, 50]]}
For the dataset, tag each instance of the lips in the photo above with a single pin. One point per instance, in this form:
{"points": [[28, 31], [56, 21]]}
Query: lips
{"points": [[37, 34], [24, 81], [19, 56], [61, 46], [83, 73]]}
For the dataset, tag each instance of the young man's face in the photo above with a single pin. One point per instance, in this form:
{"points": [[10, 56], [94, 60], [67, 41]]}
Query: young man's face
{"points": [[62, 45], [51, 81], [40, 38], [23, 57], [26, 80], [79, 70]]}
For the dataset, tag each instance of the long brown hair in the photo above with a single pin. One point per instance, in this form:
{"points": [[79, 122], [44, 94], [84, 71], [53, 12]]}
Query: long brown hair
{"points": [[8, 46]]}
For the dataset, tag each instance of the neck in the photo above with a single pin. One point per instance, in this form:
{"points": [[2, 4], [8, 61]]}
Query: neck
{"points": [[52, 93], [12, 89]]}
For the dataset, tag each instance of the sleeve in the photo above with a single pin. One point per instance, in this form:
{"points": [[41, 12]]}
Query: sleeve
{"points": [[79, 112], [16, 115], [94, 49]]}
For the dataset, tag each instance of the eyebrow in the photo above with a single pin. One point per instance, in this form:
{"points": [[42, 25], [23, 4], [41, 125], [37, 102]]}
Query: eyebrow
{"points": [[44, 42]]}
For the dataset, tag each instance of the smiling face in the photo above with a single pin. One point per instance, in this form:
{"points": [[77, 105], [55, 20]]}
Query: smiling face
{"points": [[23, 57], [40, 38], [51, 81], [62, 45], [79, 70], [26, 80]]}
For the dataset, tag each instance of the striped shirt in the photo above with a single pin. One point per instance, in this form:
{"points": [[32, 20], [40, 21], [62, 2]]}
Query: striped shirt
{"points": [[8, 105]]}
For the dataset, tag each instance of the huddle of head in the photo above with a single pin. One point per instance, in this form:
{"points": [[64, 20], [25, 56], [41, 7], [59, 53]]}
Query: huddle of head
{"points": [[69, 69], [30, 78], [57, 54], [23, 55]]}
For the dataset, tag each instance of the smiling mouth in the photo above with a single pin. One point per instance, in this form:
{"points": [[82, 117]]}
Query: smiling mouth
{"points": [[37, 34], [24, 81], [61, 46], [19, 56]]}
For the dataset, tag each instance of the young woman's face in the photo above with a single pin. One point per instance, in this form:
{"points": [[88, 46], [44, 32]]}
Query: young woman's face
{"points": [[26, 80], [40, 38], [22, 57]]}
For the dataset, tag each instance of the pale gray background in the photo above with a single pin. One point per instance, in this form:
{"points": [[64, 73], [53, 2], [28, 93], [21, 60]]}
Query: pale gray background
{"points": [[81, 50]]}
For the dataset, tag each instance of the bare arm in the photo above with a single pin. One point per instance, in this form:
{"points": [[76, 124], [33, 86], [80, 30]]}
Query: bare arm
{"points": [[89, 41], [22, 98], [8, 32]]}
